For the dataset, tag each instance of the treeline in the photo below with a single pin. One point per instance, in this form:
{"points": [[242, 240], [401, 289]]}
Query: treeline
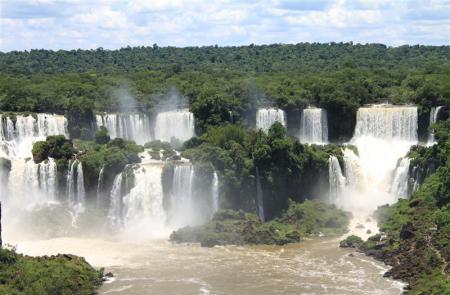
{"points": [[302, 57], [223, 84]]}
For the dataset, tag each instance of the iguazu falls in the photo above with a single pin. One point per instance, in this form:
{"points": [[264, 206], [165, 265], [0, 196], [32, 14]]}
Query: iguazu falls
{"points": [[255, 165]]}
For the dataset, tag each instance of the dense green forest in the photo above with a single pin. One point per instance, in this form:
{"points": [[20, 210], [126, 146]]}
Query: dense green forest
{"points": [[215, 81]]}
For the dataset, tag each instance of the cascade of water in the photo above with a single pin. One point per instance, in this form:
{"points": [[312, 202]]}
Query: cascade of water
{"points": [[181, 211], [143, 212], [259, 197], [434, 113], [128, 126], [100, 187], [354, 173], [399, 186], [387, 122], [30, 184], [81, 193], [383, 134], [76, 193], [71, 182], [115, 205], [336, 179], [314, 126], [47, 179], [178, 124], [215, 193], [16, 140], [265, 118]]}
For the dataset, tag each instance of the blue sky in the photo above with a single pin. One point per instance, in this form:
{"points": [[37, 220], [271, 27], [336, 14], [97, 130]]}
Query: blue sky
{"points": [[72, 24]]}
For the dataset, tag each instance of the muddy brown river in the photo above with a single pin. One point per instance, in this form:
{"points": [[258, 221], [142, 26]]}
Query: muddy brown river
{"points": [[316, 266]]}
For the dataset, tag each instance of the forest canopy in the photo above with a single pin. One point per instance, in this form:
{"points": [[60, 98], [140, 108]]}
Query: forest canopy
{"points": [[219, 81]]}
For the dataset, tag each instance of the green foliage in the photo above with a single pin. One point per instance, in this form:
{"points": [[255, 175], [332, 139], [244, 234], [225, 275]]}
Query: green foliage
{"points": [[61, 274], [113, 157], [351, 241], [283, 162], [57, 147], [158, 145], [238, 228], [102, 136], [225, 84]]}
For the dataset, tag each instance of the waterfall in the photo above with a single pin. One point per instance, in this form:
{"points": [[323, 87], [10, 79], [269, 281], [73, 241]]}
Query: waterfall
{"points": [[182, 208], [76, 194], [314, 126], [143, 212], [387, 122], [178, 124], [81, 193], [336, 179], [400, 181], [265, 118], [71, 182], [215, 193], [259, 197], [115, 204], [433, 119], [383, 135], [354, 174], [47, 178], [100, 181], [16, 139], [134, 127], [28, 184]]}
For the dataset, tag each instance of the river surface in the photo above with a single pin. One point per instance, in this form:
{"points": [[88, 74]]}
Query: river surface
{"points": [[316, 266]]}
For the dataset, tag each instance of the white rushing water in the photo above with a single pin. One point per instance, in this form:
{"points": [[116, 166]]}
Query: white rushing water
{"points": [[383, 135], [28, 184], [139, 213], [215, 193], [182, 206], [177, 123], [336, 179], [16, 139], [76, 193], [265, 118], [100, 187], [115, 202], [399, 186], [134, 127], [314, 126], [434, 113], [143, 205]]}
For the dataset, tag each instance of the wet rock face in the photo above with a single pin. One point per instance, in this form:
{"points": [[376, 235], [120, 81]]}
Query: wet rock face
{"points": [[407, 231], [351, 242]]}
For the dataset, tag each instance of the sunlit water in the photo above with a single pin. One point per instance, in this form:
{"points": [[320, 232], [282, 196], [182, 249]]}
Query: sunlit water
{"points": [[316, 266]]}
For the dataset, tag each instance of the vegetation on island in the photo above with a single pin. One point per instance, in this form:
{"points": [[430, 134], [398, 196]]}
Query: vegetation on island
{"points": [[300, 220], [284, 165], [415, 232], [60, 274], [101, 153]]}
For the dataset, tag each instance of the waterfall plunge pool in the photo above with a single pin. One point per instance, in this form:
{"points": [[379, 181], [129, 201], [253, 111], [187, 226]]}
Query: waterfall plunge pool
{"points": [[316, 266]]}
